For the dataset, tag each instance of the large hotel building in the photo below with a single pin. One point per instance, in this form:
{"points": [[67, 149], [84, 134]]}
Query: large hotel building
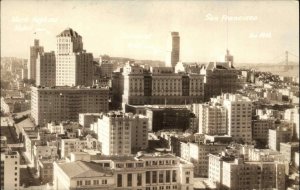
{"points": [[73, 65], [65, 103], [157, 85]]}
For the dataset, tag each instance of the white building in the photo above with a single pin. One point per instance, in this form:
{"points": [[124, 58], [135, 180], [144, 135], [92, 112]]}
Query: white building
{"points": [[78, 145], [212, 119], [234, 173], [239, 116], [73, 65], [121, 133], [10, 170], [198, 155], [293, 116], [143, 172]]}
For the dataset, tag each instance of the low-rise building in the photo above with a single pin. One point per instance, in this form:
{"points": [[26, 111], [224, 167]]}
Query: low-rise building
{"points": [[146, 172], [288, 150], [78, 145]]}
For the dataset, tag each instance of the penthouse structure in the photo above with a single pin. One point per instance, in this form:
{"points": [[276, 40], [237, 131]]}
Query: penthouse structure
{"points": [[158, 85], [145, 172], [46, 69], [73, 65], [65, 103], [122, 133], [228, 172]]}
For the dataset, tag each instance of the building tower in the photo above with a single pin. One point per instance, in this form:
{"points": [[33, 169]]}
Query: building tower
{"points": [[73, 65], [173, 50], [34, 51]]}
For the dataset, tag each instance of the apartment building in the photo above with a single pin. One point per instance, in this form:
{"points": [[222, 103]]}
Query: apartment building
{"points": [[121, 133], [196, 153], [10, 169], [212, 119], [46, 69], [228, 172], [239, 116], [65, 103]]}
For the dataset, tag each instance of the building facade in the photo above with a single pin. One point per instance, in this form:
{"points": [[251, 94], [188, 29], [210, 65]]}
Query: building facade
{"points": [[143, 172], [73, 65], [10, 170], [173, 50], [65, 103], [122, 133], [234, 173], [34, 51], [46, 69], [212, 119], [159, 85]]}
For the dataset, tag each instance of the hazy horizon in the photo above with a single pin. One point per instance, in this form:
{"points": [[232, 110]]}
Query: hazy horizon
{"points": [[139, 29]]}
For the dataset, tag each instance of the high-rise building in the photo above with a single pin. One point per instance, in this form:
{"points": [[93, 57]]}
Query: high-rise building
{"points": [[212, 119], [159, 85], [65, 103], [10, 169], [46, 69], [73, 65], [173, 50], [34, 51], [147, 172], [221, 77], [229, 172], [239, 116], [122, 133]]}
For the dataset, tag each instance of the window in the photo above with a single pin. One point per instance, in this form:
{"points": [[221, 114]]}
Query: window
{"points": [[79, 183], [154, 176], [174, 176], [129, 180], [87, 182], [161, 177], [187, 180], [139, 179], [104, 181], [119, 180], [168, 176], [96, 182], [148, 177]]}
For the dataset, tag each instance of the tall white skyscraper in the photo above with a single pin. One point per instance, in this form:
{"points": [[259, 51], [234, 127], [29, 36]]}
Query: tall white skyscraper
{"points": [[73, 65], [173, 50]]}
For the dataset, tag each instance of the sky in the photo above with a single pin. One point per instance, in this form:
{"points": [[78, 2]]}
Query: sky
{"points": [[258, 31]]}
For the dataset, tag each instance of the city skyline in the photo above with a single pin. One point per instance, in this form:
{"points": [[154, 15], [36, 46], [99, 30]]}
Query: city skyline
{"points": [[139, 30]]}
